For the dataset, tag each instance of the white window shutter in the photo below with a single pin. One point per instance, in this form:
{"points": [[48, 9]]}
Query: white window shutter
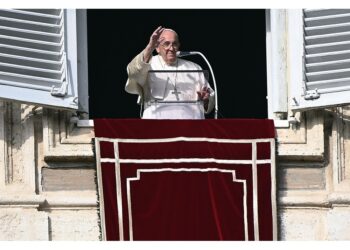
{"points": [[326, 60], [34, 61]]}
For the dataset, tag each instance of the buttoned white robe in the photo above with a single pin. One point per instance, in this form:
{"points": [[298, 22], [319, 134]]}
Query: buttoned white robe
{"points": [[175, 87]]}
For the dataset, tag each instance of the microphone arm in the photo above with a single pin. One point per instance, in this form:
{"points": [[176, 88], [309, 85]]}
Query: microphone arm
{"points": [[182, 54]]}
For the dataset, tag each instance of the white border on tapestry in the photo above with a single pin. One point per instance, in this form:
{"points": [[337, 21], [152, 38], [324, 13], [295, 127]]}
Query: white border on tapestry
{"points": [[203, 170], [253, 162]]}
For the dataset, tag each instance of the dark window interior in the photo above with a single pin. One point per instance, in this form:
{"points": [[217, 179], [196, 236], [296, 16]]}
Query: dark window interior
{"points": [[233, 40]]}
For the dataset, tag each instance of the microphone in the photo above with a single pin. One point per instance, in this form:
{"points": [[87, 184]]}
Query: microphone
{"points": [[189, 53], [185, 53]]}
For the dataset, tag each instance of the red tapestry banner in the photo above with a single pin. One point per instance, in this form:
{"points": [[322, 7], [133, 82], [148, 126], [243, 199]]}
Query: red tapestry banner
{"points": [[186, 179]]}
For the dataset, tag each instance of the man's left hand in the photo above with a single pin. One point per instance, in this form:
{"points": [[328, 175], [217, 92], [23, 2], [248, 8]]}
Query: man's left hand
{"points": [[203, 95]]}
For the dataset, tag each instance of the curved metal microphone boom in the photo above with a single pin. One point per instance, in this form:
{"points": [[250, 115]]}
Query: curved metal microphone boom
{"points": [[186, 53], [189, 53]]}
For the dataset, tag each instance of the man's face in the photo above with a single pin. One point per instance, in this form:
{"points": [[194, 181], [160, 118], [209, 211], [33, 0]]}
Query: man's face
{"points": [[169, 46]]}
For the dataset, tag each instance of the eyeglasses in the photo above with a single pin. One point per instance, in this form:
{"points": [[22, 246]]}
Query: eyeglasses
{"points": [[167, 45]]}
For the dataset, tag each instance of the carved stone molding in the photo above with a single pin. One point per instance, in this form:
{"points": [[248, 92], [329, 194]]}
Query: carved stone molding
{"points": [[63, 140], [304, 140], [340, 149], [17, 144], [3, 147]]}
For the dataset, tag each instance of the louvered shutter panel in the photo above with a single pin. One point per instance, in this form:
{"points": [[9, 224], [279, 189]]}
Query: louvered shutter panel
{"points": [[33, 59], [326, 59]]}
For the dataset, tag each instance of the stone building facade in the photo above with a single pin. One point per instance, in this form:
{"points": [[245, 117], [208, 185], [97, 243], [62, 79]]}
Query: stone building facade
{"points": [[48, 178], [48, 188]]}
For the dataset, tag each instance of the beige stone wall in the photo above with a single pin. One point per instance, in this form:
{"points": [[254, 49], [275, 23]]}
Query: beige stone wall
{"points": [[23, 224], [48, 179], [313, 180], [47, 176]]}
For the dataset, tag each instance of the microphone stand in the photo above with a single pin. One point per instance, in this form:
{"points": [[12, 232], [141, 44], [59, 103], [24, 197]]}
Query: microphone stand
{"points": [[182, 54]]}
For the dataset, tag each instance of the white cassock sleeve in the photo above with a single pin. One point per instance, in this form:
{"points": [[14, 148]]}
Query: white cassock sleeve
{"points": [[204, 82], [211, 103], [137, 71]]}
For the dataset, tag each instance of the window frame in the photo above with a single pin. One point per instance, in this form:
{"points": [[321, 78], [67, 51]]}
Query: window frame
{"points": [[297, 71], [75, 32], [277, 81], [285, 69]]}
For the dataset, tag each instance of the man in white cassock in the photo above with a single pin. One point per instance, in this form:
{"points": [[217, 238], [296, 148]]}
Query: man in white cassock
{"points": [[169, 94]]}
